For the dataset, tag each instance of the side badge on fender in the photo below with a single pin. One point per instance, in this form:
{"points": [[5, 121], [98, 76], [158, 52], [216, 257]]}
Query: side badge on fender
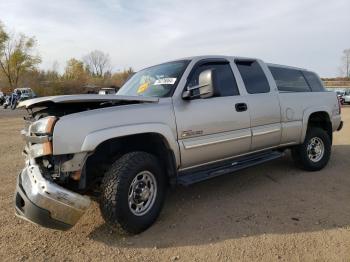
{"points": [[188, 133]]}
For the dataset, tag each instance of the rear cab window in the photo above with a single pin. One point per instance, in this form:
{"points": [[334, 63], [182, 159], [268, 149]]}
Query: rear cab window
{"points": [[253, 77], [295, 80], [314, 81]]}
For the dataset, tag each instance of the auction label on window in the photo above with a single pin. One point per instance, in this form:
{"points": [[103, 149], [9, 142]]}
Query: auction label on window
{"points": [[165, 81]]}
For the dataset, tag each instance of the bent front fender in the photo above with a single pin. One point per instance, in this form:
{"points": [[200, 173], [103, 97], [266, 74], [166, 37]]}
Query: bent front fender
{"points": [[94, 139]]}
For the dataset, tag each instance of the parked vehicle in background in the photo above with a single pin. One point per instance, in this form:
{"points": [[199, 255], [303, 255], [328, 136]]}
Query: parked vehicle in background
{"points": [[340, 93], [180, 122], [14, 99], [25, 93], [107, 91], [346, 97], [18, 95], [2, 98], [7, 102]]}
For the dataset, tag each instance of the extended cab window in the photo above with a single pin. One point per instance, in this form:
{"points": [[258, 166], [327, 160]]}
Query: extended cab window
{"points": [[253, 77], [289, 80], [225, 82], [314, 81]]}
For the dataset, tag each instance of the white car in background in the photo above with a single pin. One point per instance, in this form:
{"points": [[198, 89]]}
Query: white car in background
{"points": [[346, 97], [107, 91]]}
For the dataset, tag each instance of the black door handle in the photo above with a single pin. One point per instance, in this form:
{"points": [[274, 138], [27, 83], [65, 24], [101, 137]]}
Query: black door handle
{"points": [[241, 107]]}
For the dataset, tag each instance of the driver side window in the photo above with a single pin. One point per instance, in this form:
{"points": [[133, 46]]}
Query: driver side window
{"points": [[225, 82]]}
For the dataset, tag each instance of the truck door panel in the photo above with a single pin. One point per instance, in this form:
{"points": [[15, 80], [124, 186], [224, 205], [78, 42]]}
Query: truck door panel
{"points": [[265, 120], [212, 129], [264, 105]]}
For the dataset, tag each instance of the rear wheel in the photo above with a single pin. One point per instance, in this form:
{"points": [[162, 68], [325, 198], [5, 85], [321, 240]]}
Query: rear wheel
{"points": [[315, 152], [133, 190]]}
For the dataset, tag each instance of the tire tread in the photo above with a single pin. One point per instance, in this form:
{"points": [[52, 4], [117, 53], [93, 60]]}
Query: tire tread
{"points": [[117, 178]]}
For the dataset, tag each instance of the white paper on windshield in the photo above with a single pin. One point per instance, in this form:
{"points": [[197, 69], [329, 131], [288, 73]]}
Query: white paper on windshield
{"points": [[165, 81]]}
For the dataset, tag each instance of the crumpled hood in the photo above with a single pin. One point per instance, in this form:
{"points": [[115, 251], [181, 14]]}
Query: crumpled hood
{"points": [[86, 98]]}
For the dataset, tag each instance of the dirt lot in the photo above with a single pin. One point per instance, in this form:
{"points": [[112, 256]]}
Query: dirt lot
{"points": [[270, 212]]}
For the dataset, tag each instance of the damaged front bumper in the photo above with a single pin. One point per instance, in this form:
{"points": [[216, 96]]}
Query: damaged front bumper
{"points": [[45, 203]]}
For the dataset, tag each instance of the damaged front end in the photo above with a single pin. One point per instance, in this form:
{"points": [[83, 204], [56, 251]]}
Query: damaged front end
{"points": [[50, 187], [40, 196]]}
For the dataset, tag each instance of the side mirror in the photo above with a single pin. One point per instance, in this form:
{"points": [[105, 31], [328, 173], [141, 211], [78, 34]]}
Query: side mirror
{"points": [[205, 87]]}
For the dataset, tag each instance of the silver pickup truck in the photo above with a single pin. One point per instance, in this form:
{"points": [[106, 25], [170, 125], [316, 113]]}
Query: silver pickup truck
{"points": [[180, 122]]}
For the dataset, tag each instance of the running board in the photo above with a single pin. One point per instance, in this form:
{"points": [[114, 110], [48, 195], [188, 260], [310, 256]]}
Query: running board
{"points": [[195, 175]]}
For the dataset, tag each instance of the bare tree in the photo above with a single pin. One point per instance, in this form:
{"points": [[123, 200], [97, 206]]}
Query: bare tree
{"points": [[97, 63], [345, 64]]}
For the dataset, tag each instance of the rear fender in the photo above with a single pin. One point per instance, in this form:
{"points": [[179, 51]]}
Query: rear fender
{"points": [[306, 117]]}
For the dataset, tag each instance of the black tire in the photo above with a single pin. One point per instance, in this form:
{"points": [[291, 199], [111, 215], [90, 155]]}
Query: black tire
{"points": [[300, 152], [114, 203]]}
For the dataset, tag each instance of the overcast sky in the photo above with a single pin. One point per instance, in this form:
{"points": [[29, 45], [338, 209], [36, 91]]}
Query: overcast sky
{"points": [[307, 33]]}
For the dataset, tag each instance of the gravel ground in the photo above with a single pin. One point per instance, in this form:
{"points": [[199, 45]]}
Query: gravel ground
{"points": [[8, 113], [273, 212]]}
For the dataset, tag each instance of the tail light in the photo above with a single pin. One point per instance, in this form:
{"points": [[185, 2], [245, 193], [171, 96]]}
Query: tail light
{"points": [[339, 103]]}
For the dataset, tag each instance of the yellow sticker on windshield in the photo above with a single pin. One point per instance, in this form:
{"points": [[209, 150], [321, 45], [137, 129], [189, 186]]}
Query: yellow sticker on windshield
{"points": [[142, 88]]}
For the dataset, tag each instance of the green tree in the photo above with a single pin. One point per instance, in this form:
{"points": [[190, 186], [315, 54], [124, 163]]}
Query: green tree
{"points": [[75, 70], [118, 79], [75, 77], [16, 56]]}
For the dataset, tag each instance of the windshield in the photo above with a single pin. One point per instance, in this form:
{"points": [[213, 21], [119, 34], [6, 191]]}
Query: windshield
{"points": [[156, 81]]}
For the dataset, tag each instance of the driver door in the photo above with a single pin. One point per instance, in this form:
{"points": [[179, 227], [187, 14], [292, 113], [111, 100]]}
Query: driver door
{"points": [[214, 128]]}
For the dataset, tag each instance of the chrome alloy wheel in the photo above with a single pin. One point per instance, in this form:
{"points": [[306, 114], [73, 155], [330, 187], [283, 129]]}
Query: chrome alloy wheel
{"points": [[315, 149], [142, 193]]}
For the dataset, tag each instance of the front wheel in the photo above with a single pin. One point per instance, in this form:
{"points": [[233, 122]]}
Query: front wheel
{"points": [[133, 191], [314, 153]]}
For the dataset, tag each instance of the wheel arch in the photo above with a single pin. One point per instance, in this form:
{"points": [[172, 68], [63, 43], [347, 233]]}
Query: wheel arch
{"points": [[94, 139], [320, 117], [106, 148]]}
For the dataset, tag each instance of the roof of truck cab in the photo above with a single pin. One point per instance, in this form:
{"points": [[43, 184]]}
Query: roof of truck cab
{"points": [[238, 58], [213, 56], [229, 57], [199, 57], [286, 66]]}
